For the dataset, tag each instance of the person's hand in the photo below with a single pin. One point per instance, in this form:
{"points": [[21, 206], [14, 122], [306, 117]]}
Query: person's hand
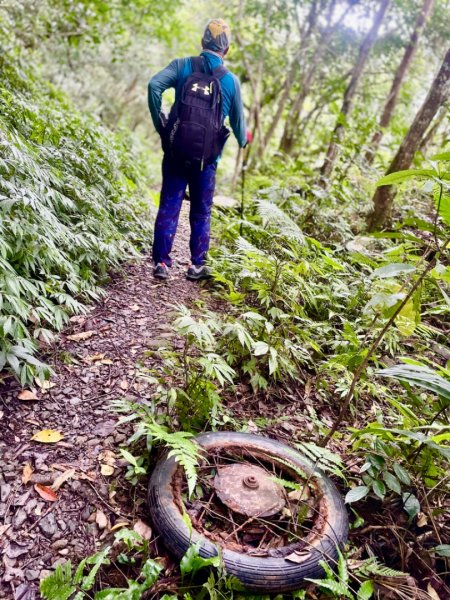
{"points": [[249, 136]]}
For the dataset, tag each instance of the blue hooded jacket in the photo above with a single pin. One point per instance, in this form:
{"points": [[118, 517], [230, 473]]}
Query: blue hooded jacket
{"points": [[176, 73]]}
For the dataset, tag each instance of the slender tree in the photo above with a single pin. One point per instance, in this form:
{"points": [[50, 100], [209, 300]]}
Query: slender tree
{"points": [[349, 95], [400, 75], [437, 96]]}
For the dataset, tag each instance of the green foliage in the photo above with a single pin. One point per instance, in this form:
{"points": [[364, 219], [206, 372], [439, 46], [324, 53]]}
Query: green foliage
{"points": [[71, 208], [338, 583], [62, 584]]}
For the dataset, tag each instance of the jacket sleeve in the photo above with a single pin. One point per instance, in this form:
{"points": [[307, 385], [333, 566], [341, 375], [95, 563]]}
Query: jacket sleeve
{"points": [[237, 118], [160, 82]]}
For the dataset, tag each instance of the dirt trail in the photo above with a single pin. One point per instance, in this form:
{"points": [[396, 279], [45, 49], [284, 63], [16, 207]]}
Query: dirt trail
{"points": [[89, 375]]}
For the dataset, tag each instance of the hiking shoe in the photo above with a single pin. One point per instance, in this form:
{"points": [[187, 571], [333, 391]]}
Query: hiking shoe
{"points": [[161, 271], [196, 272]]}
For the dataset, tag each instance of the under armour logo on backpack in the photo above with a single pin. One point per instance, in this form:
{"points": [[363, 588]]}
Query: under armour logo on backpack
{"points": [[205, 89]]}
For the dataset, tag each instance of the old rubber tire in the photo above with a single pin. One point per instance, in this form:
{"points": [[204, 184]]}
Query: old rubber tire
{"points": [[259, 574]]}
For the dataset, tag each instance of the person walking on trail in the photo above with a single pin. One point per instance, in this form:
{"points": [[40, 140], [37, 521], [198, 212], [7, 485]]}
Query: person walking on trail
{"points": [[193, 136]]}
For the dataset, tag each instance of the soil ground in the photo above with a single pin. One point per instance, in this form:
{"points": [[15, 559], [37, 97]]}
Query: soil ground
{"points": [[90, 374]]}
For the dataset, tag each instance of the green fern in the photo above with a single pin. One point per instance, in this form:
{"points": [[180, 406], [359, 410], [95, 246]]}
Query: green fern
{"points": [[181, 446]]}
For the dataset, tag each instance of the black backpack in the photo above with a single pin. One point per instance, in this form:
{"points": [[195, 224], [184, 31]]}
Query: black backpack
{"points": [[194, 133]]}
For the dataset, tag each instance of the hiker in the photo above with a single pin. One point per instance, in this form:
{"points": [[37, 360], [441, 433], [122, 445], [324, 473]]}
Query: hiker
{"points": [[192, 138]]}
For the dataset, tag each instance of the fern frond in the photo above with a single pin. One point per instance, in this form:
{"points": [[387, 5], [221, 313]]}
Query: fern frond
{"points": [[182, 447], [274, 215]]}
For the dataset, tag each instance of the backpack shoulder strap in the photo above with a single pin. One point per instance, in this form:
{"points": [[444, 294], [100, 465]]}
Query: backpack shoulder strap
{"points": [[198, 64], [220, 71]]}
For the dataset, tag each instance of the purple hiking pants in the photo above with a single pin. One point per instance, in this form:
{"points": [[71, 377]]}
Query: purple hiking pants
{"points": [[176, 177]]}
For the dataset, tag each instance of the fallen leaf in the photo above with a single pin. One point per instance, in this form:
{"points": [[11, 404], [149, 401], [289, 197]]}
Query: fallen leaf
{"points": [[26, 473], [27, 395], [142, 529], [101, 519], [432, 592], [83, 335], [119, 525], [108, 457], [62, 479], [301, 494], [47, 436], [95, 357], [77, 319], [123, 384], [298, 557], [422, 520], [4, 528], [106, 361], [44, 384], [45, 492], [106, 470]]}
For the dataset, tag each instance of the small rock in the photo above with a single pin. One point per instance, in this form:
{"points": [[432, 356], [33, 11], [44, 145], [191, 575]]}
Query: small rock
{"points": [[30, 505], [14, 550], [75, 401], [64, 551], [59, 544], [5, 490], [104, 429], [86, 513], [62, 524], [44, 573], [58, 561], [48, 525], [75, 485], [20, 517], [31, 574], [24, 591], [72, 526]]}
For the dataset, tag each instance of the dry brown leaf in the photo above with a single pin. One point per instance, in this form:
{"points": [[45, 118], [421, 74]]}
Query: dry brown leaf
{"points": [[101, 519], [83, 335], [142, 529], [119, 525], [432, 592], [77, 319], [26, 473], [108, 457], [47, 436], [62, 479], [46, 492], [106, 470], [302, 494], [422, 520], [298, 557], [27, 395], [123, 384], [44, 384], [95, 357]]}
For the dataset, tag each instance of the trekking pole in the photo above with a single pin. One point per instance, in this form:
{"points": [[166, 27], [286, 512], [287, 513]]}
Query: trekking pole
{"points": [[243, 170]]}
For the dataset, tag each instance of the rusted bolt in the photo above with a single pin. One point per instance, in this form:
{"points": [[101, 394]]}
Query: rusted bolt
{"points": [[251, 482]]}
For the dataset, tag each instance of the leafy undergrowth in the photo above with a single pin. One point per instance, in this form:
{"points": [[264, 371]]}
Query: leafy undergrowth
{"points": [[277, 353], [72, 206]]}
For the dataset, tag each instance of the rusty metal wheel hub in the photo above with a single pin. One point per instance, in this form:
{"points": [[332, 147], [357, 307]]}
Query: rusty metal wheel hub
{"points": [[249, 490]]}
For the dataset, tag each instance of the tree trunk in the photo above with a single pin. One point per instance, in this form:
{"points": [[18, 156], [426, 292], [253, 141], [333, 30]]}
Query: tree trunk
{"points": [[307, 78], [349, 95], [304, 41], [429, 136], [438, 94], [402, 70]]}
